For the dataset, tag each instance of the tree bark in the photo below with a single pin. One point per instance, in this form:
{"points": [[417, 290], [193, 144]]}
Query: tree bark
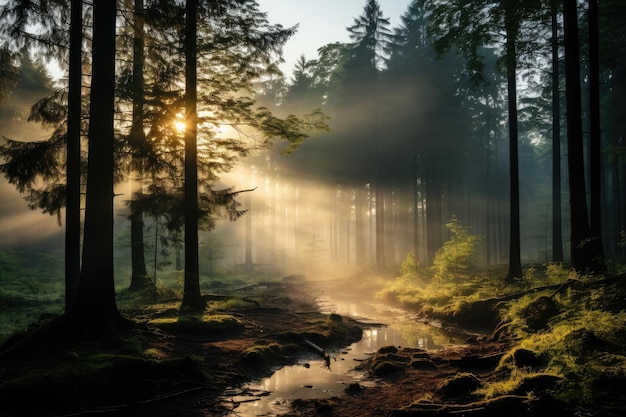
{"points": [[557, 232], [359, 227], [511, 26], [434, 215], [248, 261], [72, 190], [595, 144], [380, 226], [579, 222], [139, 275], [192, 298], [95, 305]]}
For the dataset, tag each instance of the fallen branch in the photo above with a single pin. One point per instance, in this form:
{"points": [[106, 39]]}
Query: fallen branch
{"points": [[557, 287], [319, 350], [560, 287]]}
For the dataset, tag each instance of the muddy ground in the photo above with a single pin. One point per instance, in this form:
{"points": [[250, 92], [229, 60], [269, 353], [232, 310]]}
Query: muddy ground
{"points": [[190, 373]]}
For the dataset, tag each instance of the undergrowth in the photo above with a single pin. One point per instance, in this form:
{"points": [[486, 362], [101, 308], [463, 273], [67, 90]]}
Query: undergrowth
{"points": [[583, 344], [576, 329]]}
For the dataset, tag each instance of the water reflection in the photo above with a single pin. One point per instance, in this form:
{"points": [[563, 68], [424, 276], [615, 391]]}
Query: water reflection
{"points": [[311, 378], [402, 328]]}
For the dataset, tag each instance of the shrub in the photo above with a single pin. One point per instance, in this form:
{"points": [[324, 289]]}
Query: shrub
{"points": [[456, 256], [410, 266]]}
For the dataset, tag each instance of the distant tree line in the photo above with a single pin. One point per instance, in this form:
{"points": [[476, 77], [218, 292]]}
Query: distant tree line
{"points": [[471, 110]]}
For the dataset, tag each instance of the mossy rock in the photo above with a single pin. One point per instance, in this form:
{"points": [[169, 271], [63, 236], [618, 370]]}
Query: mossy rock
{"points": [[460, 385], [477, 315], [385, 368], [539, 312], [423, 363], [335, 318], [583, 341], [420, 354], [392, 357], [387, 349], [264, 354], [525, 358], [538, 383]]}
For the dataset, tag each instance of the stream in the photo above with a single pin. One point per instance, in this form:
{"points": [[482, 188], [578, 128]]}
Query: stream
{"points": [[312, 378]]}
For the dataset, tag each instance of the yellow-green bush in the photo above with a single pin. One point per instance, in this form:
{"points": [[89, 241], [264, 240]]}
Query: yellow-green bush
{"points": [[454, 259]]}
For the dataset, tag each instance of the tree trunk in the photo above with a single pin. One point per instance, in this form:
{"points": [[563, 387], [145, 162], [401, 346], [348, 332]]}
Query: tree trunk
{"points": [[192, 298], [248, 261], [94, 306], [415, 204], [488, 197], [579, 223], [380, 226], [359, 227], [595, 144], [515, 264], [72, 190], [434, 215], [557, 232], [139, 275]]}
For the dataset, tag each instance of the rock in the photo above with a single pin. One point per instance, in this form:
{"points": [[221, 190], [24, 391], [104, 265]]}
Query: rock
{"points": [[478, 315], [353, 389], [420, 354], [335, 317], [539, 312], [388, 349], [538, 383], [384, 368], [460, 385], [423, 363], [525, 358], [395, 358]]}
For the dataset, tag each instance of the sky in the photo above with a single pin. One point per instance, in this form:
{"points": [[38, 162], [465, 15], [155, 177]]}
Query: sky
{"points": [[321, 22]]}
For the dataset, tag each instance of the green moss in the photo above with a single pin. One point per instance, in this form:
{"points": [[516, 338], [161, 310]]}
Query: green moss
{"points": [[579, 354], [209, 324], [235, 303], [264, 354]]}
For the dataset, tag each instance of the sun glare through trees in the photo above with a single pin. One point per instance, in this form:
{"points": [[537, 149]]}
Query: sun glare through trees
{"points": [[463, 163]]}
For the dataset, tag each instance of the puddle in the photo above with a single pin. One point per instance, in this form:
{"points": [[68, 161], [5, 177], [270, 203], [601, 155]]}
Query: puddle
{"points": [[311, 378]]}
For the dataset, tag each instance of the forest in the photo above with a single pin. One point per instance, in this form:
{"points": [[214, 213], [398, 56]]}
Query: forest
{"points": [[211, 214]]}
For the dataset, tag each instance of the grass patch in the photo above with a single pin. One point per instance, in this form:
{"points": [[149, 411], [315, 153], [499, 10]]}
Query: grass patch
{"points": [[234, 303], [206, 323]]}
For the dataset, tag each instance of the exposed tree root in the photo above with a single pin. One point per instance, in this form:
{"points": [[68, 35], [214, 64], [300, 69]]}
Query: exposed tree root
{"points": [[506, 405]]}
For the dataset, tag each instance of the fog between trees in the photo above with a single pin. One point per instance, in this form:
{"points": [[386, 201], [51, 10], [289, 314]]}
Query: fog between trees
{"points": [[414, 139]]}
